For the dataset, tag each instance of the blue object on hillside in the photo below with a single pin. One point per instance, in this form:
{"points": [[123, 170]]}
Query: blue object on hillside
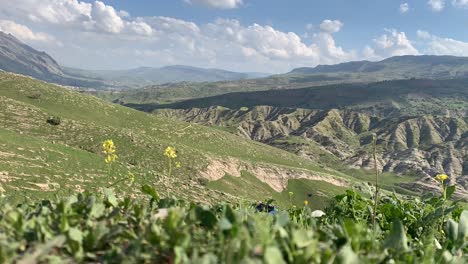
{"points": [[261, 207]]}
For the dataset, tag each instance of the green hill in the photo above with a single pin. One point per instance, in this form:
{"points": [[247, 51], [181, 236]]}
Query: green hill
{"points": [[48, 159], [421, 124]]}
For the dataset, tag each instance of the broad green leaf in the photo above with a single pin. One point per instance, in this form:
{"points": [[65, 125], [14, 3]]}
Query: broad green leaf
{"points": [[346, 255], [463, 226], [208, 219], [301, 238], [75, 234], [225, 224], [397, 238], [452, 230], [273, 256], [149, 190], [110, 197], [282, 218]]}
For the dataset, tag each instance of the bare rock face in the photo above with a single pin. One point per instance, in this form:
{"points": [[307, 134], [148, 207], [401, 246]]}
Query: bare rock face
{"points": [[421, 145]]}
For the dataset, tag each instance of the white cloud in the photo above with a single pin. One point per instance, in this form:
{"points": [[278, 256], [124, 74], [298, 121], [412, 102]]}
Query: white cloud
{"points": [[436, 5], [23, 32], [331, 26], [219, 4], [404, 8], [442, 46], [460, 3], [106, 18], [97, 17], [392, 43], [97, 35]]}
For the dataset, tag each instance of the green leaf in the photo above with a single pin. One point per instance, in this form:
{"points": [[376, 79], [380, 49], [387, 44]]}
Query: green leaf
{"points": [[346, 255], [149, 190], [273, 256], [40, 251], [97, 210], [110, 197], [450, 190], [452, 230], [463, 226], [225, 224], [208, 219], [397, 238], [75, 234], [282, 218], [301, 238]]}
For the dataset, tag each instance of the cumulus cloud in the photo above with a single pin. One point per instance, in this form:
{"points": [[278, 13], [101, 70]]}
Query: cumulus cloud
{"points": [[331, 26], [442, 46], [404, 8], [23, 33], [97, 16], [460, 3], [436, 5], [219, 4], [392, 43], [96, 35]]}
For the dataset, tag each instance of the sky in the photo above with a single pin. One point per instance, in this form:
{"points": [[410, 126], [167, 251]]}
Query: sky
{"points": [[272, 36]]}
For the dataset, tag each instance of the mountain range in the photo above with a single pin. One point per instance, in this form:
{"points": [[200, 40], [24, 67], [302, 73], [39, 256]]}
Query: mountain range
{"points": [[18, 57], [144, 76]]}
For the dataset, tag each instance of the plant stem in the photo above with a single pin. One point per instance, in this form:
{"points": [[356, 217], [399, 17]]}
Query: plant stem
{"points": [[376, 195], [170, 166]]}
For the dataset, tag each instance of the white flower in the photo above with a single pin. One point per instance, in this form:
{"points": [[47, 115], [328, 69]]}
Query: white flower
{"points": [[318, 213]]}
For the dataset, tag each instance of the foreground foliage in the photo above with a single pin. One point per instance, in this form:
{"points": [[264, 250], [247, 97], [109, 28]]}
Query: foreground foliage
{"points": [[102, 228]]}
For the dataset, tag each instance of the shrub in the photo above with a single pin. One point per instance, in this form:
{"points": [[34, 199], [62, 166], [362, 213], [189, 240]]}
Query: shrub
{"points": [[54, 120]]}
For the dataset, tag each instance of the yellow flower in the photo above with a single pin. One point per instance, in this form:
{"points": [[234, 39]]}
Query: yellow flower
{"points": [[131, 177], [170, 152], [177, 164], [291, 193], [441, 177], [306, 202], [108, 147], [111, 158]]}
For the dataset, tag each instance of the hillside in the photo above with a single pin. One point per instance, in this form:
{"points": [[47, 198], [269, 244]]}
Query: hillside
{"points": [[388, 98], [144, 76], [421, 124], [420, 146], [20, 58], [399, 67], [46, 159], [360, 72]]}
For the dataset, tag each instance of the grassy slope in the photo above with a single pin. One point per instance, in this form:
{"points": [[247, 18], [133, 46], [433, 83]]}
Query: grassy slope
{"points": [[65, 156]]}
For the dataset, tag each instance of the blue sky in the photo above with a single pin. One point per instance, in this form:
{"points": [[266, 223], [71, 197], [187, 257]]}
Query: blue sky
{"points": [[242, 35]]}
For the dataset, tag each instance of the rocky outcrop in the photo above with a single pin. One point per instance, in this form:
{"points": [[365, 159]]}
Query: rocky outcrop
{"points": [[418, 145]]}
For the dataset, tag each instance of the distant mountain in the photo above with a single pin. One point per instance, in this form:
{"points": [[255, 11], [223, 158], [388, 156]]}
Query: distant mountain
{"points": [[17, 57], [359, 72], [402, 67], [20, 58], [170, 74]]}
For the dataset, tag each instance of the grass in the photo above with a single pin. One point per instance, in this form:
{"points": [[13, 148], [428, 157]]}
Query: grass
{"points": [[71, 155]]}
